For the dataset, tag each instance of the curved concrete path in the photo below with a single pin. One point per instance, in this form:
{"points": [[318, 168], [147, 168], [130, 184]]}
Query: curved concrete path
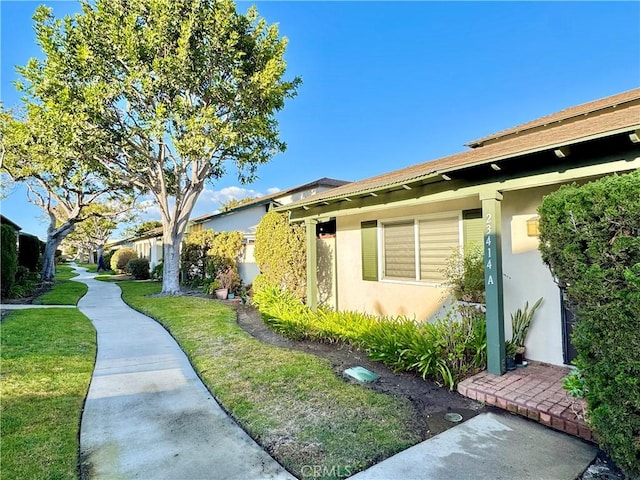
{"points": [[147, 414]]}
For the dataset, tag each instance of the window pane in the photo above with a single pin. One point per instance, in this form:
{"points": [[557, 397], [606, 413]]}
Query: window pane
{"points": [[399, 251], [438, 237]]}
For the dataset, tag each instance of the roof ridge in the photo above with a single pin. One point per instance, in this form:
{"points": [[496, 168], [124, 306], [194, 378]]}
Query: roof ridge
{"points": [[572, 112]]}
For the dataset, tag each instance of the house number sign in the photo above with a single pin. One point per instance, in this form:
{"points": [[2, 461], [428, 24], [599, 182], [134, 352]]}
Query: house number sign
{"points": [[489, 273]]}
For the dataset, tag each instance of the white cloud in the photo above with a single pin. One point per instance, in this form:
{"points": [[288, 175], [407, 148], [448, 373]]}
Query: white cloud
{"points": [[272, 190]]}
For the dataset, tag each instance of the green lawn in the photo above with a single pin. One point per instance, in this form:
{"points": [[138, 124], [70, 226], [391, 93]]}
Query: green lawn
{"points": [[294, 404], [65, 291], [47, 361]]}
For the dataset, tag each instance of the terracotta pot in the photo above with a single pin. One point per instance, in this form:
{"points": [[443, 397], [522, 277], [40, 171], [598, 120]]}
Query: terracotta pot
{"points": [[221, 293]]}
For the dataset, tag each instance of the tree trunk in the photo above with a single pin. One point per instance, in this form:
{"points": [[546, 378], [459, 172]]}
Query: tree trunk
{"points": [[171, 268], [54, 239]]}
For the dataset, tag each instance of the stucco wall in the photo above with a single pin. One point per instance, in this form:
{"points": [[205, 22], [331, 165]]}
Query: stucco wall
{"points": [[244, 221], [421, 301], [526, 278]]}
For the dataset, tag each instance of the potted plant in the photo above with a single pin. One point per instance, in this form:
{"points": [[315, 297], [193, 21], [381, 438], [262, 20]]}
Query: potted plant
{"points": [[520, 323], [228, 280], [510, 354]]}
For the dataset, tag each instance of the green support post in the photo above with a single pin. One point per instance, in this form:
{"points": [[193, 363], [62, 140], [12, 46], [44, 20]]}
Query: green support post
{"points": [[312, 264], [491, 214]]}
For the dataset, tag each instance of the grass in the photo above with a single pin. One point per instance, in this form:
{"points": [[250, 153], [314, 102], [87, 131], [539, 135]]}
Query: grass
{"points": [[313, 422], [47, 361], [93, 268], [65, 291]]}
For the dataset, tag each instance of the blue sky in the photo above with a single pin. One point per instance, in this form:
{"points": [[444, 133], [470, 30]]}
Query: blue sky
{"points": [[392, 84]]}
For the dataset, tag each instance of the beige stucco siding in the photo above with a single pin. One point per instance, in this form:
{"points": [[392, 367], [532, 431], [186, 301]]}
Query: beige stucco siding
{"points": [[526, 278], [413, 299]]}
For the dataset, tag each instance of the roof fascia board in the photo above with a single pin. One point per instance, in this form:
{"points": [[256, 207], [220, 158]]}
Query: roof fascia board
{"points": [[616, 165]]}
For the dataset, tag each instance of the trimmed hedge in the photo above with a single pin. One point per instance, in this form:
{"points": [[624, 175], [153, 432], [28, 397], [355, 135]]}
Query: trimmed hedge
{"points": [[121, 257], [281, 255], [9, 260], [29, 251], [590, 238], [138, 268]]}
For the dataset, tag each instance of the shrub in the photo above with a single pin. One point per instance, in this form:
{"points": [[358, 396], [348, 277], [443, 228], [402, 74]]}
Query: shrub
{"points": [[29, 251], [138, 268], [106, 258], [121, 257], [446, 351], [281, 255], [9, 260], [205, 253], [157, 271], [464, 275], [590, 238]]}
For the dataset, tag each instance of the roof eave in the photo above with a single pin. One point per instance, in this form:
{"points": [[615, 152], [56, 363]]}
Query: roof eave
{"points": [[438, 173]]}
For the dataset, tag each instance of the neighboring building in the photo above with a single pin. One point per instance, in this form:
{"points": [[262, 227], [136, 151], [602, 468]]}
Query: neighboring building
{"points": [[148, 245], [395, 231], [246, 217]]}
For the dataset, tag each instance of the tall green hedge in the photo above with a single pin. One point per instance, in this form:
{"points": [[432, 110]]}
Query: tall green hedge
{"points": [[590, 238], [281, 255], [9, 265], [29, 251]]}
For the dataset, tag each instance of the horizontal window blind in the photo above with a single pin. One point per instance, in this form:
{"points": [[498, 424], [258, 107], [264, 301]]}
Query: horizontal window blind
{"points": [[438, 238], [399, 250]]}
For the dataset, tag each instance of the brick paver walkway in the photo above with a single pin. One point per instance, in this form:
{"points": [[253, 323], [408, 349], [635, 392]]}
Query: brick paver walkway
{"points": [[535, 392]]}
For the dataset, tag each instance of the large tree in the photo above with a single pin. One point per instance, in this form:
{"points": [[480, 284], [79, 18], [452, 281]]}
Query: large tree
{"points": [[185, 88], [44, 150], [102, 219]]}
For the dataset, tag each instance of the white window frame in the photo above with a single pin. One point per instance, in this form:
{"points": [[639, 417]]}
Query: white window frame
{"points": [[416, 231]]}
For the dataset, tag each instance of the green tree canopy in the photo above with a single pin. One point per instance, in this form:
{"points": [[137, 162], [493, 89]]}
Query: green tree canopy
{"points": [[183, 88]]}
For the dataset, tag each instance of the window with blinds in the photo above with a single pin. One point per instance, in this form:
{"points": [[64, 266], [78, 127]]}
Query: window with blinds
{"points": [[400, 250], [418, 249], [437, 238]]}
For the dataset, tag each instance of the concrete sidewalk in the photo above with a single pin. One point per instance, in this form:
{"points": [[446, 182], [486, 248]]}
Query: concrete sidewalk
{"points": [[147, 414], [497, 446]]}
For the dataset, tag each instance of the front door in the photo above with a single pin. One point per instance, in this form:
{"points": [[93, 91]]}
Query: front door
{"points": [[568, 321]]}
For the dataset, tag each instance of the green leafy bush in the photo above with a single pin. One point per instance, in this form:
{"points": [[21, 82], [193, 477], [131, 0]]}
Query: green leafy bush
{"points": [[9, 260], [464, 274], [157, 271], [138, 268], [590, 238], [121, 257], [106, 258], [281, 255], [446, 351], [29, 251], [206, 253]]}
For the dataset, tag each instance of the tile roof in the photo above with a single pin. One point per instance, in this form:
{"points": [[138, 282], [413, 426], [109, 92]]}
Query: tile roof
{"points": [[563, 115], [604, 121]]}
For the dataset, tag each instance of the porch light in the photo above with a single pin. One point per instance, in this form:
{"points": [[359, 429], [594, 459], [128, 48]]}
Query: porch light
{"points": [[533, 225], [445, 176], [562, 152], [496, 167], [635, 136]]}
